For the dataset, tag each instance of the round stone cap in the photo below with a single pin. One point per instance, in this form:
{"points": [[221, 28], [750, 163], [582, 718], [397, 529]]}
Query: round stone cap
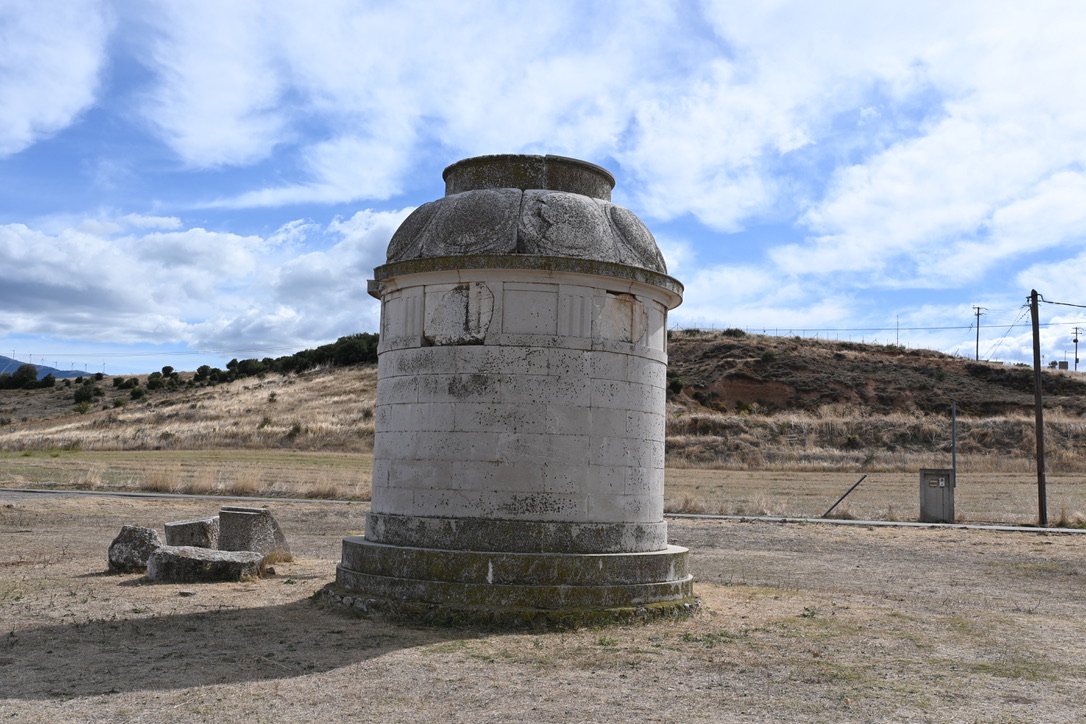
{"points": [[526, 205], [514, 171]]}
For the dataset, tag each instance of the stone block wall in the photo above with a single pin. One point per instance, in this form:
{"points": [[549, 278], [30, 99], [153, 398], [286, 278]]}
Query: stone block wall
{"points": [[521, 394]]}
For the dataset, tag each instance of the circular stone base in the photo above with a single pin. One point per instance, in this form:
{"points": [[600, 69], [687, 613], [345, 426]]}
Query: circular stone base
{"points": [[511, 588], [359, 603]]}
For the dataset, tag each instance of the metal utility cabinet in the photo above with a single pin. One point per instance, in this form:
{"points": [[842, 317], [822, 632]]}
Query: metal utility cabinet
{"points": [[936, 495]]}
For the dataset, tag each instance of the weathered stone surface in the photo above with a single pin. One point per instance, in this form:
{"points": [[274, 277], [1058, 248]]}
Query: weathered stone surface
{"points": [[534, 222], [201, 533], [187, 564], [533, 205], [130, 550], [519, 455], [460, 315], [545, 597], [479, 222], [515, 536], [516, 171], [514, 569], [252, 529]]}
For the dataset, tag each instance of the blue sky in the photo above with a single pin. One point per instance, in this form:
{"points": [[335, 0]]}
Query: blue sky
{"points": [[188, 182]]}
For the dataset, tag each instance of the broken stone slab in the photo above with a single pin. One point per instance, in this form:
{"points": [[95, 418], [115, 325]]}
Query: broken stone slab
{"points": [[252, 529], [200, 532], [133, 546], [188, 564]]}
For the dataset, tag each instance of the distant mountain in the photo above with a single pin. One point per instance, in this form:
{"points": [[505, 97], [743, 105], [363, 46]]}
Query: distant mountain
{"points": [[9, 365]]}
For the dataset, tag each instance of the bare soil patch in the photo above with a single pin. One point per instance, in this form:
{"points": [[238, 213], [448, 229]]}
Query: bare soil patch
{"points": [[800, 623]]}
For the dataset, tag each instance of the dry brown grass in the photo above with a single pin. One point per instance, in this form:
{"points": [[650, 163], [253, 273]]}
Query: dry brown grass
{"points": [[981, 497], [311, 435], [320, 410], [246, 481], [842, 438], [273, 473], [164, 479]]}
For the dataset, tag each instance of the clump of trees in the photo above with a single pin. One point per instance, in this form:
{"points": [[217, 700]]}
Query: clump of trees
{"points": [[26, 378], [353, 349]]}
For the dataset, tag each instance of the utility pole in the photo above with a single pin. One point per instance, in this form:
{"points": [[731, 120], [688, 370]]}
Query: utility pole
{"points": [[1075, 340], [978, 313], [1042, 504]]}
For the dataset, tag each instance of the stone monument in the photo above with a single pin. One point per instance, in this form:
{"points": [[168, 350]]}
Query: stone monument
{"points": [[518, 467]]}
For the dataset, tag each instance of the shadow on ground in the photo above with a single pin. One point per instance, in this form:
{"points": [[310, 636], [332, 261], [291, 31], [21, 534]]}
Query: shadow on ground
{"points": [[196, 649]]}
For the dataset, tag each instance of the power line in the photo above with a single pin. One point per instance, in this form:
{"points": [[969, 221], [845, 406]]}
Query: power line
{"points": [[1023, 311], [967, 327], [1041, 298]]}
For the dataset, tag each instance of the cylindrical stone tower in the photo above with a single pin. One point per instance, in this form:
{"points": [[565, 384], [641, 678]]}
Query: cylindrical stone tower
{"points": [[519, 456]]}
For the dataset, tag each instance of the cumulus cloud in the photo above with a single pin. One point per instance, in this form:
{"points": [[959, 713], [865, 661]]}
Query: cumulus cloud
{"points": [[210, 290], [50, 67], [353, 91], [985, 180], [749, 296], [914, 148], [217, 100]]}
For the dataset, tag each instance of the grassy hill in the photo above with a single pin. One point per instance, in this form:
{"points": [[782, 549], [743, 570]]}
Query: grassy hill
{"points": [[742, 401], [740, 372], [734, 401]]}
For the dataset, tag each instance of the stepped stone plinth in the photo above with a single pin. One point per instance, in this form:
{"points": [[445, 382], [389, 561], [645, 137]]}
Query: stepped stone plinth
{"points": [[519, 451]]}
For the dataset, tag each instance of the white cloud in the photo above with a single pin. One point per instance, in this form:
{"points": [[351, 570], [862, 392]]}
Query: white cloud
{"points": [[986, 182], [352, 91], [1058, 281], [139, 221], [347, 169], [293, 234], [49, 67], [218, 99], [208, 289], [678, 253], [920, 146], [329, 288], [754, 297]]}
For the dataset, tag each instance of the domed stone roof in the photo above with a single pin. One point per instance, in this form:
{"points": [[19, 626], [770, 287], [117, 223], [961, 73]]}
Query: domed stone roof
{"points": [[518, 204]]}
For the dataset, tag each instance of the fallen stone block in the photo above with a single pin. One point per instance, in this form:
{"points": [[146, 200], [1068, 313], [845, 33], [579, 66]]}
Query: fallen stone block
{"points": [[200, 533], [252, 529], [130, 550], [188, 564]]}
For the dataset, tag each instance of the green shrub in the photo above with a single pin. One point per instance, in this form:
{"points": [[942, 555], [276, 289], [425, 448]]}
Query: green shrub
{"points": [[87, 392]]}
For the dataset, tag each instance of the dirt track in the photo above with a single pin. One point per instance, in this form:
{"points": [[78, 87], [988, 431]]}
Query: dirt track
{"points": [[806, 623]]}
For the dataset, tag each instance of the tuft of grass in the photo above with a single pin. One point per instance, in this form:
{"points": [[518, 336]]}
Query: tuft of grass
{"points": [[162, 479], [688, 504], [325, 490], [89, 479], [1069, 519], [842, 512], [203, 482], [246, 482]]}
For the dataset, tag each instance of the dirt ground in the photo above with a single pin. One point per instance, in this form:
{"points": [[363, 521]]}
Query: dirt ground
{"points": [[800, 623]]}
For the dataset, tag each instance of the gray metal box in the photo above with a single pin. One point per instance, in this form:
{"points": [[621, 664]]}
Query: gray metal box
{"points": [[936, 495]]}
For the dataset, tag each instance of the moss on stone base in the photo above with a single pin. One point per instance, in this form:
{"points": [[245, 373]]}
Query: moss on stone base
{"points": [[417, 612]]}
